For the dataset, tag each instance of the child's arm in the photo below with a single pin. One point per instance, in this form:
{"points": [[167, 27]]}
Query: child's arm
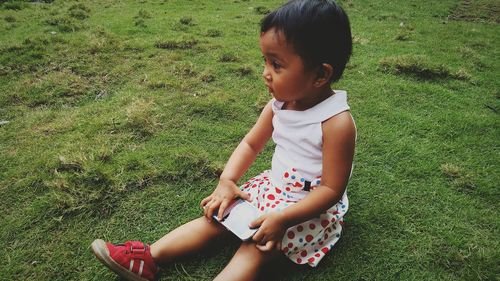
{"points": [[241, 159], [339, 134]]}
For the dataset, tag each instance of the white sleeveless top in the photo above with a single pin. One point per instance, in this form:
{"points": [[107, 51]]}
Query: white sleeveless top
{"points": [[299, 137]]}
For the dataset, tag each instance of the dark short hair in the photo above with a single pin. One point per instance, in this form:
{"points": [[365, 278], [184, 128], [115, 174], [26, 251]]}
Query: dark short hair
{"points": [[319, 31]]}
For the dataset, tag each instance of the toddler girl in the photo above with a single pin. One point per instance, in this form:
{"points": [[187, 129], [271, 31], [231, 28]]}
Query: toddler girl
{"points": [[302, 198]]}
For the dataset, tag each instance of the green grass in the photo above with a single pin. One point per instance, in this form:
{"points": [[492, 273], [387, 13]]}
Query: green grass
{"points": [[117, 116]]}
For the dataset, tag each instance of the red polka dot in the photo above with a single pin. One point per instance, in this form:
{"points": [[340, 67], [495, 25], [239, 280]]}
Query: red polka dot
{"points": [[294, 170], [267, 205], [310, 260], [324, 223], [278, 190], [262, 208], [303, 253], [285, 250], [312, 226], [333, 219], [270, 197], [299, 260], [290, 245], [287, 188], [291, 234], [309, 238], [321, 243], [273, 206], [326, 236], [277, 202], [286, 175], [317, 255], [300, 228], [325, 250]]}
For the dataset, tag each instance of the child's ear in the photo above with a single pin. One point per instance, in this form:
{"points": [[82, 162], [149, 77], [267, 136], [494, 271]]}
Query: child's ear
{"points": [[325, 72]]}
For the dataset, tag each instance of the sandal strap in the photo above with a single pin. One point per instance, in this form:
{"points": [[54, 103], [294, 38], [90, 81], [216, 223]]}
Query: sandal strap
{"points": [[138, 249]]}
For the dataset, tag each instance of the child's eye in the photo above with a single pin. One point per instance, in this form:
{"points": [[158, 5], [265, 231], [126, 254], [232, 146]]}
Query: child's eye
{"points": [[273, 63]]}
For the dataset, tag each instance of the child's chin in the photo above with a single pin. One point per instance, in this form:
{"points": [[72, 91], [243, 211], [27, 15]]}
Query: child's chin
{"points": [[278, 98]]}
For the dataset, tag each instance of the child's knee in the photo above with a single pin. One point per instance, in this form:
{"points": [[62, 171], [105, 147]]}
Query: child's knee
{"points": [[250, 248]]}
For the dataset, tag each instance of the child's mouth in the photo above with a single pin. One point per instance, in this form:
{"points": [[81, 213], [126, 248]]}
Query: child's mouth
{"points": [[269, 89]]}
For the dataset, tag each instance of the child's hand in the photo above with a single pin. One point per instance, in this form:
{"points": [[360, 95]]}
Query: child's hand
{"points": [[271, 231], [223, 195]]}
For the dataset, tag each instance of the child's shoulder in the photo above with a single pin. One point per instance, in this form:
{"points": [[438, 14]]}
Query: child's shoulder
{"points": [[340, 126]]}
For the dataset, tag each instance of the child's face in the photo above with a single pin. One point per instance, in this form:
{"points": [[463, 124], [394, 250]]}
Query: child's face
{"points": [[284, 72]]}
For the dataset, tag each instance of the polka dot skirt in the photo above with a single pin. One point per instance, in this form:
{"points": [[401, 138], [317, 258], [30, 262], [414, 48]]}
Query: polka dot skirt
{"points": [[309, 241]]}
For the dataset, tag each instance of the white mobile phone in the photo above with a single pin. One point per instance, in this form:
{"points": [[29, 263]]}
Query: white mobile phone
{"points": [[237, 217]]}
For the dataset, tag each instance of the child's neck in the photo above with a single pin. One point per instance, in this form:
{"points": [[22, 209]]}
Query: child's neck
{"points": [[310, 101]]}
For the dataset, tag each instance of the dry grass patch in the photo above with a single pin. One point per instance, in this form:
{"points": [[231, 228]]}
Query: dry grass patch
{"points": [[420, 67], [261, 10], [80, 185], [477, 11], [213, 33], [176, 44], [244, 71], [141, 118], [79, 11], [458, 177], [228, 57], [54, 88]]}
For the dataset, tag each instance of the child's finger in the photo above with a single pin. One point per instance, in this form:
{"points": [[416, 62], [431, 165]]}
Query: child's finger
{"points": [[205, 201], [222, 208], [210, 209], [277, 245], [205, 209], [260, 237], [257, 237], [244, 196], [257, 222], [267, 247]]}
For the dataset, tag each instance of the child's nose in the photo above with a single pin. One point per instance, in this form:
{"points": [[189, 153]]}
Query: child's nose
{"points": [[266, 74]]}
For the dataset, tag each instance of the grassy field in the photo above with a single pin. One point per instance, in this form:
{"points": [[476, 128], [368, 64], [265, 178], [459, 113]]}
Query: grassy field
{"points": [[117, 116]]}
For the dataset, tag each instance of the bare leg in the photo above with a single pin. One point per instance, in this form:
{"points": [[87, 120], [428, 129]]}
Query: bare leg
{"points": [[247, 263], [186, 239]]}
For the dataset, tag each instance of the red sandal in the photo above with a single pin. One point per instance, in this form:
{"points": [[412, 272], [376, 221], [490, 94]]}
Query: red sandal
{"points": [[131, 261]]}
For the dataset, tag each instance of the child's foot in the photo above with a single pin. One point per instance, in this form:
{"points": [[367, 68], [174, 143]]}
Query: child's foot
{"points": [[131, 261]]}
